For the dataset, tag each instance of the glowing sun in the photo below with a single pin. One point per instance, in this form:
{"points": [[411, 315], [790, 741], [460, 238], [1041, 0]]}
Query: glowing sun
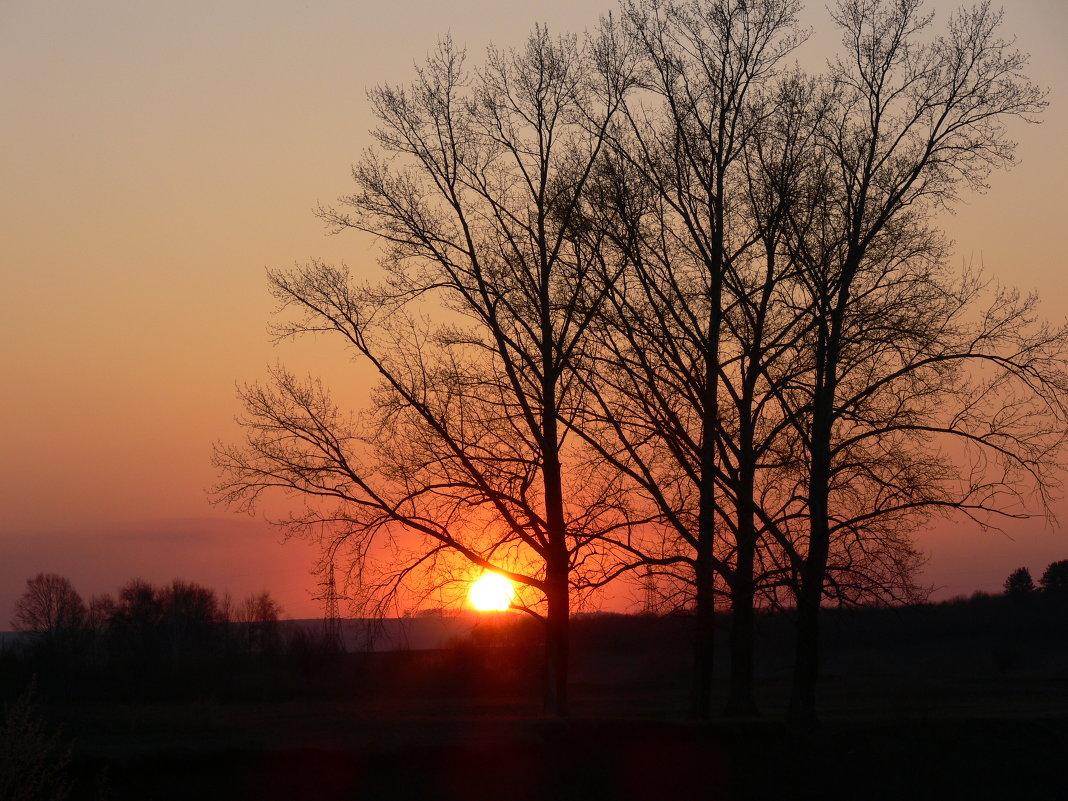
{"points": [[491, 593]]}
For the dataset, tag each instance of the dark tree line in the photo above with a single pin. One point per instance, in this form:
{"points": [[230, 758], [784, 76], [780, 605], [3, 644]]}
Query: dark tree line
{"points": [[141, 627], [657, 300]]}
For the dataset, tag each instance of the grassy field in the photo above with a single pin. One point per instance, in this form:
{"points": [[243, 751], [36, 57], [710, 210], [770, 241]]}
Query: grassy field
{"points": [[588, 758], [949, 702]]}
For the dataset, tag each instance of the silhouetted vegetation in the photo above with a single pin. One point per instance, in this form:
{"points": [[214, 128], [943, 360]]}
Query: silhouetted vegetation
{"points": [[175, 644], [655, 300], [34, 760], [1019, 583], [1054, 579], [927, 684], [52, 612], [147, 642]]}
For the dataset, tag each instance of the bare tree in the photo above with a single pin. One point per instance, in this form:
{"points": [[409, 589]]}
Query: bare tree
{"points": [[190, 617], [675, 204], [691, 318], [50, 608], [259, 615], [475, 182], [824, 352], [909, 122], [135, 627]]}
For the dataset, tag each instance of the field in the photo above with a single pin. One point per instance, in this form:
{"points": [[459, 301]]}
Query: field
{"points": [[966, 700]]}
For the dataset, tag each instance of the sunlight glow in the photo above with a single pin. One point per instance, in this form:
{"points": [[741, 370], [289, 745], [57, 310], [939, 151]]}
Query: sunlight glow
{"points": [[491, 593]]}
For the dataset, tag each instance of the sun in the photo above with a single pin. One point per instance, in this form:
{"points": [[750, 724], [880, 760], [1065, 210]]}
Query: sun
{"points": [[491, 593]]}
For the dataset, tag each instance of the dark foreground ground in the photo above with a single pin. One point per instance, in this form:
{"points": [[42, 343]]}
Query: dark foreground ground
{"points": [[469, 758], [932, 703]]}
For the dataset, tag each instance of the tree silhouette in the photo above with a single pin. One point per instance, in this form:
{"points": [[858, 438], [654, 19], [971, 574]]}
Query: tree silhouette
{"points": [[671, 403], [190, 617], [1054, 579], [1019, 584], [906, 124], [259, 616], [474, 185], [786, 357], [653, 302], [50, 608]]}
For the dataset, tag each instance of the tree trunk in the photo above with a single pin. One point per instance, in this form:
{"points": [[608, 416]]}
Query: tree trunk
{"points": [[741, 700], [557, 640], [704, 646], [557, 558], [814, 568], [802, 711], [806, 663], [705, 561]]}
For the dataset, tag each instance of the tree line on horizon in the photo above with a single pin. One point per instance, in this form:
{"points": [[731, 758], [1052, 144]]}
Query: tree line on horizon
{"points": [[142, 624], [184, 617], [659, 303], [1053, 582]]}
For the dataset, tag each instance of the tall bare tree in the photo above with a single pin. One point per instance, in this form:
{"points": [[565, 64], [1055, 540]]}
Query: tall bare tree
{"points": [[677, 204], [475, 181], [911, 120], [785, 297]]}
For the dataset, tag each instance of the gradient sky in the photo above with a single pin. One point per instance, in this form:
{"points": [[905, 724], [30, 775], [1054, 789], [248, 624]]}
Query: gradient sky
{"points": [[155, 158]]}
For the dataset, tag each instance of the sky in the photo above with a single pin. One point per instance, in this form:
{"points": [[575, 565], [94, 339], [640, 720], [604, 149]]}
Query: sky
{"points": [[156, 158]]}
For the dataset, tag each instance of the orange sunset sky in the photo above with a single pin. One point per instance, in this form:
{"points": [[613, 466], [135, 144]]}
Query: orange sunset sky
{"points": [[156, 157]]}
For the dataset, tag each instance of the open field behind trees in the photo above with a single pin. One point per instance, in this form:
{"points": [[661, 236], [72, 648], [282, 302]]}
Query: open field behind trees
{"points": [[965, 699]]}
